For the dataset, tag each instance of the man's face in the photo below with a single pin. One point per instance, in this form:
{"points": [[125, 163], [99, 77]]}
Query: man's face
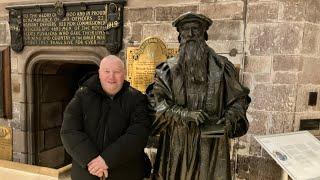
{"points": [[112, 75], [191, 31]]}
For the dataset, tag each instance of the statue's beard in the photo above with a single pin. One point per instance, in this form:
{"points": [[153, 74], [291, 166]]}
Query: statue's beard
{"points": [[193, 60]]}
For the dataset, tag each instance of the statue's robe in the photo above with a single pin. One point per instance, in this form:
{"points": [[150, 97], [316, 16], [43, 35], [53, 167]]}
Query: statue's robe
{"points": [[182, 153]]}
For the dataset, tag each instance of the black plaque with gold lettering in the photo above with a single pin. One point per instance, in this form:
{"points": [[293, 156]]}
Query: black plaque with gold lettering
{"points": [[73, 24]]}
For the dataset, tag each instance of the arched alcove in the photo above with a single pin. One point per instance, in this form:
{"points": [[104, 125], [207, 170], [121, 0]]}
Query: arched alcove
{"points": [[51, 78]]}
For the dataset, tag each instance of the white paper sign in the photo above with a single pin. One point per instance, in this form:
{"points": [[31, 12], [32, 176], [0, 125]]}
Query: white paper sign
{"points": [[298, 153]]}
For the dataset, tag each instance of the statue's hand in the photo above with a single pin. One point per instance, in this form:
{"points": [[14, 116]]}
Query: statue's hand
{"points": [[197, 116], [227, 122]]}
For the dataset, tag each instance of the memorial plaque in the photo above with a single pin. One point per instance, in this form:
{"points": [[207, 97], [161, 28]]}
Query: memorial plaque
{"points": [[142, 61], [298, 153], [5, 143], [76, 24], [76, 28]]}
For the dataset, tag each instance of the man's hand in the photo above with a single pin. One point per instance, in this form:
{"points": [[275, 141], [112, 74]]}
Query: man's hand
{"points": [[197, 116], [98, 167]]}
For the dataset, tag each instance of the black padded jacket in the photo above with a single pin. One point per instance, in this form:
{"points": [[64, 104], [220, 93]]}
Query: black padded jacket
{"points": [[115, 128]]}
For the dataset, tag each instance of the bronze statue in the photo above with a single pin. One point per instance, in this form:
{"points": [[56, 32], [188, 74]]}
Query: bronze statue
{"points": [[199, 104]]}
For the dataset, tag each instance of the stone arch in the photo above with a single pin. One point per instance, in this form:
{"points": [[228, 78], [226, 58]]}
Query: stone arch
{"points": [[77, 55]]}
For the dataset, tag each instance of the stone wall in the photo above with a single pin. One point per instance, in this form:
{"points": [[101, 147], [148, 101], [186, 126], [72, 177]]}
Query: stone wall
{"points": [[154, 19], [281, 66], [278, 53]]}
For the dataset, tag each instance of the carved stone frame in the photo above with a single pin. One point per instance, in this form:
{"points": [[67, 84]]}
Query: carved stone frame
{"points": [[91, 55]]}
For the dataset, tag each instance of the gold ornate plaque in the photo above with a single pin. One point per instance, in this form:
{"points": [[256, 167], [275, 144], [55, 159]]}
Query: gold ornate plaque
{"points": [[5, 143], [142, 61]]}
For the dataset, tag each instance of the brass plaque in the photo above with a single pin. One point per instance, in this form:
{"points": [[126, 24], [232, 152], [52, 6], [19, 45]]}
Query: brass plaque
{"points": [[142, 61], [5, 143]]}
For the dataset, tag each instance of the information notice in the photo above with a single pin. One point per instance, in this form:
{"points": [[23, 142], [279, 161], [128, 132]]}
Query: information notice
{"points": [[297, 153], [76, 28]]}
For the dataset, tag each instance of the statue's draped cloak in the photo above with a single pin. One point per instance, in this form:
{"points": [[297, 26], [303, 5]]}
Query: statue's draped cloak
{"points": [[182, 153]]}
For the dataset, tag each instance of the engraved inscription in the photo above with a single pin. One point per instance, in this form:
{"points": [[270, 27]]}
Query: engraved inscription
{"points": [[68, 24], [76, 28], [142, 61]]}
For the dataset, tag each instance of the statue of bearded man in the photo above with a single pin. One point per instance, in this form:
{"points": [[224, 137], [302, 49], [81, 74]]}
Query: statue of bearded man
{"points": [[193, 92]]}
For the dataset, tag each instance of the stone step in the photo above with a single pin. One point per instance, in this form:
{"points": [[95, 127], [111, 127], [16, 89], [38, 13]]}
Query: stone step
{"points": [[19, 171]]}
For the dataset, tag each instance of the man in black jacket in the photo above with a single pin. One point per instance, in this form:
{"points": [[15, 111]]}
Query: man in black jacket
{"points": [[106, 126]]}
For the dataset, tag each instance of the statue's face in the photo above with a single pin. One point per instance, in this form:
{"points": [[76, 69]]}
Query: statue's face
{"points": [[191, 31], [192, 50]]}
